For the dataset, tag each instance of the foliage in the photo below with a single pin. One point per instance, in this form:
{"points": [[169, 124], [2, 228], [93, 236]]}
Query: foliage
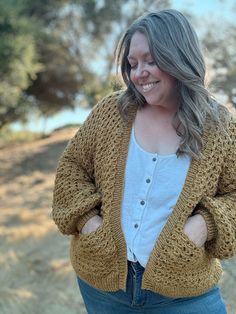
{"points": [[52, 51], [9, 136], [18, 62], [222, 51]]}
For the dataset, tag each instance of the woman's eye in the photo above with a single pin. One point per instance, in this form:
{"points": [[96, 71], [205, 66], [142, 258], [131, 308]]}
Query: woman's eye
{"points": [[151, 62], [133, 66]]}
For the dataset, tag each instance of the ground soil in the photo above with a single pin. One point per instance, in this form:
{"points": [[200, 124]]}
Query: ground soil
{"points": [[35, 273]]}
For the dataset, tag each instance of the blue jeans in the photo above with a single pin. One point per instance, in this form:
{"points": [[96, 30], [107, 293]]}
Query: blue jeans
{"points": [[137, 300]]}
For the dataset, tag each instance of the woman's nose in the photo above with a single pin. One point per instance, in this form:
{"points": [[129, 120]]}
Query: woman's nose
{"points": [[141, 72]]}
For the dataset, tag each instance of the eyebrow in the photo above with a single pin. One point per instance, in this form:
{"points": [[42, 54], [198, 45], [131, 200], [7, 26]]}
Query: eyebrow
{"points": [[146, 54]]}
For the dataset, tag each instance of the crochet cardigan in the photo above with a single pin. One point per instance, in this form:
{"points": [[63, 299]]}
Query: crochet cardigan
{"points": [[90, 180]]}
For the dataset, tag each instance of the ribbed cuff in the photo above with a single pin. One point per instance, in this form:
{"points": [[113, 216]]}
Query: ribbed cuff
{"points": [[209, 219], [83, 219]]}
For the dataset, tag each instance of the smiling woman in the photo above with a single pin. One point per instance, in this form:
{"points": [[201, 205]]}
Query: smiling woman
{"points": [[158, 87], [170, 55], [147, 186]]}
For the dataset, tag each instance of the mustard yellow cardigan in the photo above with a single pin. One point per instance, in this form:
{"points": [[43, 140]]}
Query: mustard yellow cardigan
{"points": [[90, 181]]}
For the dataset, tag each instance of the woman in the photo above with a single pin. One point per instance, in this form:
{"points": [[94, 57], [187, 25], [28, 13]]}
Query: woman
{"points": [[147, 186]]}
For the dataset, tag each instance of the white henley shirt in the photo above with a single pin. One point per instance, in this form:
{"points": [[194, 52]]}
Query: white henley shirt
{"points": [[153, 184]]}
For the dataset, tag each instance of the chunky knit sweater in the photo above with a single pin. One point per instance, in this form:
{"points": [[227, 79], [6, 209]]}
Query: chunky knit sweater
{"points": [[90, 181]]}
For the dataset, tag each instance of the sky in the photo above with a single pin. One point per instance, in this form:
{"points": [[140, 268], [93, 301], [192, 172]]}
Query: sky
{"points": [[220, 10], [216, 8]]}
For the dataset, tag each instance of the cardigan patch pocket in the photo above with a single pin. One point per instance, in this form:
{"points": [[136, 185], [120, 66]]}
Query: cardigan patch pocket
{"points": [[178, 252], [187, 253], [94, 251]]}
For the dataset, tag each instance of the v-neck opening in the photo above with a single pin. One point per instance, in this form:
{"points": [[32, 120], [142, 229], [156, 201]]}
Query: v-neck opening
{"points": [[153, 154]]}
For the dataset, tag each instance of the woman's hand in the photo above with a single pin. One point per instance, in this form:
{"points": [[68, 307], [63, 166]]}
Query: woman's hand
{"points": [[196, 229], [92, 224]]}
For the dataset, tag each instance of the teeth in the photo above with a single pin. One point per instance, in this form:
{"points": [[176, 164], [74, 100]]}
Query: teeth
{"points": [[147, 87]]}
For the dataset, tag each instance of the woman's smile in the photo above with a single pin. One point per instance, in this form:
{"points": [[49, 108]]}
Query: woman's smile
{"points": [[149, 86]]}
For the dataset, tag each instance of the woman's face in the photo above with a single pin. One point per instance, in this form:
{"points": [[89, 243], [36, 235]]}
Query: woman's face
{"points": [[157, 87]]}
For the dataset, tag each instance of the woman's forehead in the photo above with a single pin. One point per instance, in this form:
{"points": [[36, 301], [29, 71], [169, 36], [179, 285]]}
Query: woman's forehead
{"points": [[139, 44]]}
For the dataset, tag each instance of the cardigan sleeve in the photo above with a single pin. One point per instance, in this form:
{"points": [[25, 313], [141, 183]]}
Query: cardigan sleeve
{"points": [[75, 196], [220, 211]]}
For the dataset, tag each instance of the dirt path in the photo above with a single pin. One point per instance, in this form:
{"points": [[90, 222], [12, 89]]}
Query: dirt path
{"points": [[35, 273]]}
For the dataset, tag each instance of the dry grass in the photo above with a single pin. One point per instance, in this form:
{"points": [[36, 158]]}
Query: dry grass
{"points": [[35, 273]]}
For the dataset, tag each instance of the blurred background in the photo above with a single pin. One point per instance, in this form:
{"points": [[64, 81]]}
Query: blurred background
{"points": [[56, 62]]}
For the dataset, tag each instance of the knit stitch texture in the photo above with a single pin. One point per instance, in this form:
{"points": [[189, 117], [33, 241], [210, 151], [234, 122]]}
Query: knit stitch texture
{"points": [[90, 181]]}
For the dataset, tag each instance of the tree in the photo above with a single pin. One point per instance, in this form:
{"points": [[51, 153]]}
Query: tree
{"points": [[222, 53], [18, 63], [58, 48]]}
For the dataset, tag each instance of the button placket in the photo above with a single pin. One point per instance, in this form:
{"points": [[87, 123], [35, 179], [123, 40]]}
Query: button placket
{"points": [[152, 170], [141, 203], [148, 175]]}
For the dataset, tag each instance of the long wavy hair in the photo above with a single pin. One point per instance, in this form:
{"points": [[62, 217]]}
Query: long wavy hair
{"points": [[175, 49]]}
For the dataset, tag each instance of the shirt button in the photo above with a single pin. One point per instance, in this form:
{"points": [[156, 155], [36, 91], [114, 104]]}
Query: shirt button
{"points": [[154, 159], [136, 226], [142, 202], [148, 180]]}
